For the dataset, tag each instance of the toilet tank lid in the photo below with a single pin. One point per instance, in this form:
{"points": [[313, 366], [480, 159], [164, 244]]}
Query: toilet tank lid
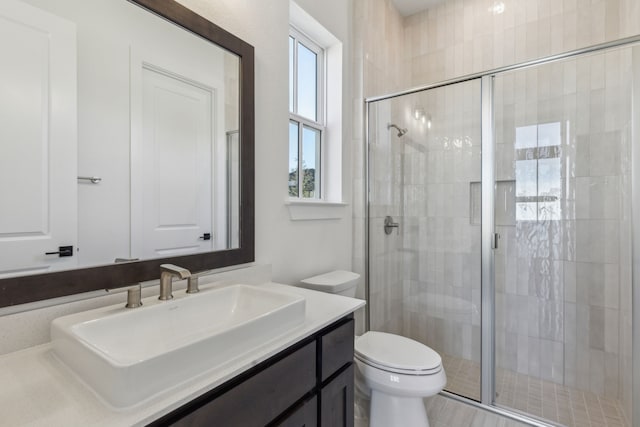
{"points": [[335, 281]]}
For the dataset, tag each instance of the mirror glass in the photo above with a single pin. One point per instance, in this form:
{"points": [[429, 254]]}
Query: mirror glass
{"points": [[119, 137]]}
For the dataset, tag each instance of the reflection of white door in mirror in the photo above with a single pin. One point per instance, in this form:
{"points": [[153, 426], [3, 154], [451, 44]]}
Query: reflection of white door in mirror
{"points": [[176, 165], [176, 128], [38, 140]]}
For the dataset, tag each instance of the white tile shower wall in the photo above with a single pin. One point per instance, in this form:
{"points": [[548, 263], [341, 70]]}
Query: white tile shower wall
{"points": [[378, 67], [465, 36]]}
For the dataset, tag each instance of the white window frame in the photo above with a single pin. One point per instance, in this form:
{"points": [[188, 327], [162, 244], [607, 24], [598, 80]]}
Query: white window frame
{"points": [[320, 123]]}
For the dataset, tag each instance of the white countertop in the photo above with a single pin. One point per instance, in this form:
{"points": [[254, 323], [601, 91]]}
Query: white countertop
{"points": [[36, 389]]}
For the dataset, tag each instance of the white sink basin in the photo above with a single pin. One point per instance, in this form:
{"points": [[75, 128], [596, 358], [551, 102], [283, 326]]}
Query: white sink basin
{"points": [[129, 355]]}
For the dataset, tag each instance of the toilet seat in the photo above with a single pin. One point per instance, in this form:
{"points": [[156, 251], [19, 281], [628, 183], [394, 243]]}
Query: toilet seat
{"points": [[397, 354], [424, 372]]}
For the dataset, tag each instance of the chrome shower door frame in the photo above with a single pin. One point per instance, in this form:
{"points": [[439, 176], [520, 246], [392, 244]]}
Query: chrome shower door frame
{"points": [[635, 233], [489, 241]]}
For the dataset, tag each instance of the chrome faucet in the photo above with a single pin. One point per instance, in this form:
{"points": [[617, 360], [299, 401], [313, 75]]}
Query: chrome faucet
{"points": [[167, 273]]}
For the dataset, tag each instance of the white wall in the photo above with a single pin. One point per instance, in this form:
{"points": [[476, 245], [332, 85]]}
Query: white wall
{"points": [[295, 249]]}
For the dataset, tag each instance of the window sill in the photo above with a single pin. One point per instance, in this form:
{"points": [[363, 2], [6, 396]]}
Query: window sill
{"points": [[306, 210]]}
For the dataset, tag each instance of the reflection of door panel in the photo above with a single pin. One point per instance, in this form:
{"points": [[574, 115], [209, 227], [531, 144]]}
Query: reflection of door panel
{"points": [[176, 162], [38, 123]]}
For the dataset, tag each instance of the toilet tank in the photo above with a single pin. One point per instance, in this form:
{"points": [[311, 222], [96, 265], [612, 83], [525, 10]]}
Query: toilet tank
{"points": [[335, 282]]}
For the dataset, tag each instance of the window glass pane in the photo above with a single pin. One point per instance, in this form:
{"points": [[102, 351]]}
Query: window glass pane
{"points": [[293, 159], [307, 83], [311, 162], [291, 76]]}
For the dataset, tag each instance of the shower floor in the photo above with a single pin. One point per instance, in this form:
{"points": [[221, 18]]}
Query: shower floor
{"points": [[543, 399]]}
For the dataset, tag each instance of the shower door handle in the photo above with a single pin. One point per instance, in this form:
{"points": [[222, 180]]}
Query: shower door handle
{"points": [[494, 240]]}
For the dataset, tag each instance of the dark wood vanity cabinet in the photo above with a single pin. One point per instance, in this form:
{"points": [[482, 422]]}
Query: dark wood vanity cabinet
{"points": [[336, 400], [309, 384]]}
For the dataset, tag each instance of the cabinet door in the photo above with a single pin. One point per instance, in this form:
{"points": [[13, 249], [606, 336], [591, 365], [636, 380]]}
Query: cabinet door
{"points": [[305, 416], [336, 401]]}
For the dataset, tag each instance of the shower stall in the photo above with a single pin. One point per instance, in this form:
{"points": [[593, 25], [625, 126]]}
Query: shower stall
{"points": [[503, 231]]}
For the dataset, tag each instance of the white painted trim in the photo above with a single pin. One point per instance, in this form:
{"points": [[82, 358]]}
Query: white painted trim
{"points": [[300, 210]]}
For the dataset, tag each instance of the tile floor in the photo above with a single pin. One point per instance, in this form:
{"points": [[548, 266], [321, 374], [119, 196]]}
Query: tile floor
{"points": [[544, 399], [445, 412]]}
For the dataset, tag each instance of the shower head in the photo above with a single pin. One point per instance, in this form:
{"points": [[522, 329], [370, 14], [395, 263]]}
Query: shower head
{"points": [[401, 132]]}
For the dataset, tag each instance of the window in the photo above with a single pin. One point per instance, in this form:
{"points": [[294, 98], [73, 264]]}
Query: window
{"points": [[538, 172], [306, 116]]}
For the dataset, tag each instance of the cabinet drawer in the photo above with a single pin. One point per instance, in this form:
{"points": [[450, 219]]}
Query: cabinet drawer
{"points": [[337, 349], [261, 398], [306, 415]]}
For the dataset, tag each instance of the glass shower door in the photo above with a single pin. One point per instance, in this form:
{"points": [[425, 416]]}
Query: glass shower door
{"points": [[562, 269], [424, 185]]}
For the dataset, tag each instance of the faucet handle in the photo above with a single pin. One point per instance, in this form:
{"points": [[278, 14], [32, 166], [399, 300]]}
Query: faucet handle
{"points": [[182, 273], [134, 294], [192, 284]]}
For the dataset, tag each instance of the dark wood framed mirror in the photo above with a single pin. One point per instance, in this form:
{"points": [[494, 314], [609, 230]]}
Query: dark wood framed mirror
{"points": [[30, 288]]}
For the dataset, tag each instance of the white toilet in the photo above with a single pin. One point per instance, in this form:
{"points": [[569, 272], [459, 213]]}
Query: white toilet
{"points": [[395, 372]]}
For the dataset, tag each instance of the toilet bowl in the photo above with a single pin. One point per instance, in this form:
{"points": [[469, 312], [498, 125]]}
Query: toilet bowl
{"points": [[397, 373], [394, 372]]}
